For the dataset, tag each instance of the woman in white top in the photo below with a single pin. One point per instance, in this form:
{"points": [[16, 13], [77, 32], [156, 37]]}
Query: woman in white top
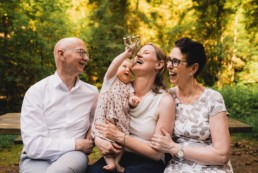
{"points": [[155, 111], [201, 140]]}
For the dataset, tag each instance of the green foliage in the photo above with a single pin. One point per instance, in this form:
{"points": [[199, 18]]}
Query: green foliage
{"points": [[250, 8], [210, 30], [109, 33], [9, 153], [242, 103], [30, 28], [6, 141]]}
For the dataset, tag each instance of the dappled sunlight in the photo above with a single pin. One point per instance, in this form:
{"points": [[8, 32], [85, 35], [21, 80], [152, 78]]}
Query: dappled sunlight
{"points": [[29, 29]]}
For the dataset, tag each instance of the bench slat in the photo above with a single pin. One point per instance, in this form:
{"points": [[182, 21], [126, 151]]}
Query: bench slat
{"points": [[238, 127], [10, 125]]}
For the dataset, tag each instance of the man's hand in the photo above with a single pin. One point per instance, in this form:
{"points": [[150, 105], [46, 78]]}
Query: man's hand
{"points": [[84, 145]]}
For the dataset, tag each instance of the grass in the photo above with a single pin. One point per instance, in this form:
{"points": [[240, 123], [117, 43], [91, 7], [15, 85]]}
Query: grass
{"points": [[10, 155], [6, 141], [9, 152]]}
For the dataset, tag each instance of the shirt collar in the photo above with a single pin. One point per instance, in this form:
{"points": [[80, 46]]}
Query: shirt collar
{"points": [[57, 81]]}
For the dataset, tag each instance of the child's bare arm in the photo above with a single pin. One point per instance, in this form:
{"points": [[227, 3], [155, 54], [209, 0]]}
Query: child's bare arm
{"points": [[134, 44], [112, 69]]}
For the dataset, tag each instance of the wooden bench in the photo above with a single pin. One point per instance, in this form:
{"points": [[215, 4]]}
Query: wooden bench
{"points": [[10, 125], [236, 126]]}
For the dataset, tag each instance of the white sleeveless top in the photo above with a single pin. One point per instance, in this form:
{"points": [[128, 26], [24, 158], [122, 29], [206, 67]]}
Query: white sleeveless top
{"points": [[144, 117]]}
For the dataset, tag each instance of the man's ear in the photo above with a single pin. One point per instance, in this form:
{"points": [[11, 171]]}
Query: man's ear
{"points": [[159, 65], [60, 54], [194, 68]]}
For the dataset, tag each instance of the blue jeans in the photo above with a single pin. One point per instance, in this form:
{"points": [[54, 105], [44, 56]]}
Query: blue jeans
{"points": [[132, 163]]}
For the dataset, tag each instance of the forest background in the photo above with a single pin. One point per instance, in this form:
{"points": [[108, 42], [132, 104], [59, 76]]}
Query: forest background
{"points": [[227, 28]]}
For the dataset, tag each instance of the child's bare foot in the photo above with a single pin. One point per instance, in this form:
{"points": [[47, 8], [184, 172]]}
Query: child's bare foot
{"points": [[120, 168], [110, 164], [109, 167]]}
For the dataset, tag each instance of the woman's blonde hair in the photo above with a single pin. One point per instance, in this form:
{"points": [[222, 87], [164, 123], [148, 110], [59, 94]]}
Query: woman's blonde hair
{"points": [[159, 82]]}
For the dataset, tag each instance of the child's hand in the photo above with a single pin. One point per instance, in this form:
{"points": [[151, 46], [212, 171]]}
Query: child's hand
{"points": [[134, 101], [129, 50], [132, 43]]}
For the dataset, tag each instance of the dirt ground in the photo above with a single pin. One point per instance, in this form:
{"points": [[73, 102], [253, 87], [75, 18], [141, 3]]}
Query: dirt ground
{"points": [[244, 158]]}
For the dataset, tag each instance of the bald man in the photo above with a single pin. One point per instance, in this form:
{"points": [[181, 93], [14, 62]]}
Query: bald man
{"points": [[57, 113]]}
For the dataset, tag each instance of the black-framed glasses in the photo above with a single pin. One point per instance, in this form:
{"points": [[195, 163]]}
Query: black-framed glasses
{"points": [[174, 62], [82, 52]]}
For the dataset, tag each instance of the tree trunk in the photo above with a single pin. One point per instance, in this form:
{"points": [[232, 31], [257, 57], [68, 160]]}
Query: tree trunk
{"points": [[231, 65]]}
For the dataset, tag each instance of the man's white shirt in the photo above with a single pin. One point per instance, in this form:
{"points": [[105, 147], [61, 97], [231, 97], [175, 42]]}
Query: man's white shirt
{"points": [[53, 117]]}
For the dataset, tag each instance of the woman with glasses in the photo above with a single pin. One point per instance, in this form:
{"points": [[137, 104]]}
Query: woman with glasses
{"points": [[201, 140], [155, 111]]}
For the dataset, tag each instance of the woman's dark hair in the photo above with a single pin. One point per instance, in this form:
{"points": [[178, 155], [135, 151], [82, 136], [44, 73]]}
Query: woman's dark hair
{"points": [[159, 82], [194, 52]]}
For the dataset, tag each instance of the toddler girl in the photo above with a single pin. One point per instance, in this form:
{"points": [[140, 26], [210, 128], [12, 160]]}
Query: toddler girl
{"points": [[116, 96]]}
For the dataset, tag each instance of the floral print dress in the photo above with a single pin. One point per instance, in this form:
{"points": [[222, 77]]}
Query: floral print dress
{"points": [[113, 105], [192, 129]]}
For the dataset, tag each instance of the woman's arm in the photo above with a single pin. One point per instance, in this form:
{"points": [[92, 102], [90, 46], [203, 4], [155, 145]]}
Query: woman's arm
{"points": [[166, 112], [217, 154], [165, 120]]}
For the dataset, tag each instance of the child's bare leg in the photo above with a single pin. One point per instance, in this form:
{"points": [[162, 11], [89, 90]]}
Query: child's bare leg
{"points": [[118, 157], [110, 163]]}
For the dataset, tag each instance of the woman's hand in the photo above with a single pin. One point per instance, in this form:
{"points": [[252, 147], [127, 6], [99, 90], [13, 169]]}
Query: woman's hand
{"points": [[162, 142], [106, 147], [110, 131]]}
